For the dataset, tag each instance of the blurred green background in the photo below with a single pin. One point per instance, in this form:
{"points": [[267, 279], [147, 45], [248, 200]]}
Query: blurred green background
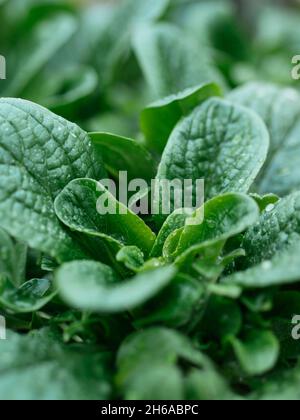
{"points": [[76, 58]]}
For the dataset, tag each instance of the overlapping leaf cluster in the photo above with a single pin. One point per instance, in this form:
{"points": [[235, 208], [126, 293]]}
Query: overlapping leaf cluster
{"points": [[129, 307]]}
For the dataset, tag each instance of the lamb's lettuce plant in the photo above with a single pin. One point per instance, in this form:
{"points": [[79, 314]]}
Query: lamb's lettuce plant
{"points": [[194, 304]]}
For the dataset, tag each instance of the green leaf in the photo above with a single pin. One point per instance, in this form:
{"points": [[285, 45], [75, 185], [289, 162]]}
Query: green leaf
{"points": [[287, 34], [132, 257], [30, 297], [159, 118], [215, 23], [78, 85], [222, 319], [158, 349], [175, 306], [272, 247], [283, 268], [207, 385], [266, 201], [144, 387], [175, 221], [124, 154], [224, 144], [170, 60], [224, 217], [13, 259], [277, 229], [7, 256], [79, 206], [219, 219], [257, 353], [43, 41], [282, 386], [39, 367], [280, 109], [92, 286], [39, 154], [114, 41]]}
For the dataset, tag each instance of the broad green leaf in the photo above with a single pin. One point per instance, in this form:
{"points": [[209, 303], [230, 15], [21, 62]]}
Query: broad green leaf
{"points": [[159, 118], [39, 154], [280, 109], [258, 352], [92, 286], [124, 154], [43, 41], [171, 61], [224, 144], [30, 297], [87, 207], [39, 367]]}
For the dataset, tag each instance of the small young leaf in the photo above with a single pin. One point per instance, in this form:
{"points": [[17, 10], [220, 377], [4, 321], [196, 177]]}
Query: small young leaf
{"points": [[207, 385], [30, 297], [175, 221], [258, 353], [224, 216], [222, 319], [132, 257]]}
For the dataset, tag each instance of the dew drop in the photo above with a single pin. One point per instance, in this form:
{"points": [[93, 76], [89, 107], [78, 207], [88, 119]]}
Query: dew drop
{"points": [[267, 265], [270, 208]]}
